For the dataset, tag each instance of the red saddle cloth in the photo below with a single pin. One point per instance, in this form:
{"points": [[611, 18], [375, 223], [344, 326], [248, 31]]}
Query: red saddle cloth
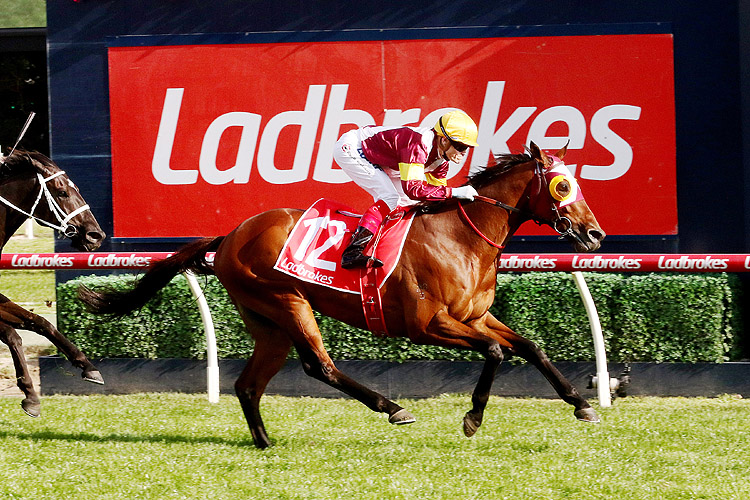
{"points": [[313, 250]]}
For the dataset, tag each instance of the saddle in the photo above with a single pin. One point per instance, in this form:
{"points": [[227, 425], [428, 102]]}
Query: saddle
{"points": [[312, 253]]}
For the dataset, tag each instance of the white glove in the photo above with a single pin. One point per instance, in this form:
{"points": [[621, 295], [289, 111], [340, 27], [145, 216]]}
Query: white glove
{"points": [[465, 193]]}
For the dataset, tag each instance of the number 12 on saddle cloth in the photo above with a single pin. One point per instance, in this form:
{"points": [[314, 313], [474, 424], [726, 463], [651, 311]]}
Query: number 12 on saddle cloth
{"points": [[312, 251]]}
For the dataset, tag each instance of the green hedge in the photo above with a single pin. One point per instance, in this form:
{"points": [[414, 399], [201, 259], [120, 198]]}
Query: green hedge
{"points": [[654, 317]]}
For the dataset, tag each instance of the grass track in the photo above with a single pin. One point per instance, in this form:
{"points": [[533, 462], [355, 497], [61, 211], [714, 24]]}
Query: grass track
{"points": [[169, 446], [34, 288]]}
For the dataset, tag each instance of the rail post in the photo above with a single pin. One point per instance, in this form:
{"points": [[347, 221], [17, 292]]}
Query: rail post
{"points": [[212, 359], [602, 374]]}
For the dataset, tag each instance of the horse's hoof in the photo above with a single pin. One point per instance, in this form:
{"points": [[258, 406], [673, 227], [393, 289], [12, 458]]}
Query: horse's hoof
{"points": [[587, 415], [93, 376], [31, 408], [402, 417], [471, 425]]}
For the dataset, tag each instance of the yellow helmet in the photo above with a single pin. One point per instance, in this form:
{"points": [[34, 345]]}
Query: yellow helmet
{"points": [[458, 127]]}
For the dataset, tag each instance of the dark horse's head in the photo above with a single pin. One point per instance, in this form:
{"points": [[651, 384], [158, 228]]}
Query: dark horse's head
{"points": [[33, 185], [549, 194]]}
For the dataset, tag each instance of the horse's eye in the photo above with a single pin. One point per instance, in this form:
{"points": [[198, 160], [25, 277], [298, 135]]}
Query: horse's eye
{"points": [[63, 194], [562, 189]]}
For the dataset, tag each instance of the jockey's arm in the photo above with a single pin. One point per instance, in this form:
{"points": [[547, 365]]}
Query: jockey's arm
{"points": [[423, 186]]}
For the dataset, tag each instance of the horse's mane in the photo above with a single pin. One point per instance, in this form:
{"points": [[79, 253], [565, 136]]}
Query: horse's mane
{"points": [[20, 161], [504, 163]]}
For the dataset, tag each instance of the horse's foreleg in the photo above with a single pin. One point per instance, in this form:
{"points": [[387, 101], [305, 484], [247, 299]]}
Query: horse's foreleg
{"points": [[445, 331], [10, 337], [18, 317], [531, 352], [481, 395], [318, 364]]}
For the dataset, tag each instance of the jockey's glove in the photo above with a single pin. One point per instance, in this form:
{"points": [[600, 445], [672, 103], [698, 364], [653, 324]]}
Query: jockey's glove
{"points": [[465, 193]]}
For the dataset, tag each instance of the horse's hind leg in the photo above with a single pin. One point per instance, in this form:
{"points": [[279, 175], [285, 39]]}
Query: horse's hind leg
{"points": [[304, 332], [10, 337], [269, 355], [18, 317]]}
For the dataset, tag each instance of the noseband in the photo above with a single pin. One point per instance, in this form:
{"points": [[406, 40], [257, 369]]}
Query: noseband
{"points": [[63, 219], [561, 224]]}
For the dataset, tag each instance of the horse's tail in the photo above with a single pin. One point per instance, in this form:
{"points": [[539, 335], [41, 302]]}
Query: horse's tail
{"points": [[191, 257]]}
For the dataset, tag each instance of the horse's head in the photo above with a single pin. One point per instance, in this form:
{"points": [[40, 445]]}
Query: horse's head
{"points": [[35, 186], [556, 199]]}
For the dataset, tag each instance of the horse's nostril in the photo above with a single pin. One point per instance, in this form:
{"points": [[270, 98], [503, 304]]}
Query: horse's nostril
{"points": [[596, 235], [94, 236]]}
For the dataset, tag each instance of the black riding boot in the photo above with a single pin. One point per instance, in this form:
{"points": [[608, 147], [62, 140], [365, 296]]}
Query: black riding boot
{"points": [[353, 256]]}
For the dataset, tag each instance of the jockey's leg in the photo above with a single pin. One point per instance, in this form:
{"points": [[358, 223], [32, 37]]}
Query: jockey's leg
{"points": [[375, 181], [354, 255]]}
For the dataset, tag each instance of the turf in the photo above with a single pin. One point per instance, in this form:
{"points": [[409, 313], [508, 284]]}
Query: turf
{"points": [[34, 289], [23, 13], [180, 446]]}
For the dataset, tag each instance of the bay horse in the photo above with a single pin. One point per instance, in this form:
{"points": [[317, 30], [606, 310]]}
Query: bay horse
{"points": [[439, 293], [33, 186]]}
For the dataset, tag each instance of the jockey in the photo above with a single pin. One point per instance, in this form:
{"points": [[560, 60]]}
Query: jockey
{"points": [[402, 166]]}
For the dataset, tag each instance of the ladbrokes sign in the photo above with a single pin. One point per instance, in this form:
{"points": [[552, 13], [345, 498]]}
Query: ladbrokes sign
{"points": [[204, 136]]}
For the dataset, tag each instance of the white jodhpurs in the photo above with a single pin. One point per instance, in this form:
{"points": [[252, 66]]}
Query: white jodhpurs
{"points": [[382, 183]]}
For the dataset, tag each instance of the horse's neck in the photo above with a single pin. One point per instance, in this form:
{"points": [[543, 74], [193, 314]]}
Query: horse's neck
{"points": [[511, 189], [14, 193]]}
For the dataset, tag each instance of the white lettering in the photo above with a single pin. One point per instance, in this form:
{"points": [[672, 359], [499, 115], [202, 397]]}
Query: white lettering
{"points": [[308, 120], [599, 262], [515, 262], [122, 261], [36, 261], [619, 147], [492, 139], [300, 270], [170, 113], [684, 262], [240, 172], [576, 130], [336, 116]]}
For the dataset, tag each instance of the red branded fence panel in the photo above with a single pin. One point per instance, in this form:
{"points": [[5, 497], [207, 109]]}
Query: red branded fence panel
{"points": [[204, 136], [606, 263], [627, 263]]}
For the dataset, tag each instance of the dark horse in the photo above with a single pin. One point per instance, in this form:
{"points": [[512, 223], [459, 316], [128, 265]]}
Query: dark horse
{"points": [[31, 185], [440, 292]]}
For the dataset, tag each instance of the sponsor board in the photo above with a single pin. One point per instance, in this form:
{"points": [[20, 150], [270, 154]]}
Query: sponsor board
{"points": [[204, 136], [93, 260], [686, 263]]}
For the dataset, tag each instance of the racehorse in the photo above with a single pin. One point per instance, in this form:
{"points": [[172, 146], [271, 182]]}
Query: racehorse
{"points": [[33, 186], [439, 293]]}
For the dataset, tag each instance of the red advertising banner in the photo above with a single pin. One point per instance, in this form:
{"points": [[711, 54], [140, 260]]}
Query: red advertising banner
{"points": [[204, 136]]}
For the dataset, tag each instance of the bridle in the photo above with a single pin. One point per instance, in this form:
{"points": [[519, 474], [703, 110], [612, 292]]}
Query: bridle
{"points": [[63, 219], [561, 224]]}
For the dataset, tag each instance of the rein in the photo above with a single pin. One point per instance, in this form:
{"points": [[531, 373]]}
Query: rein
{"points": [[63, 219], [475, 228]]}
